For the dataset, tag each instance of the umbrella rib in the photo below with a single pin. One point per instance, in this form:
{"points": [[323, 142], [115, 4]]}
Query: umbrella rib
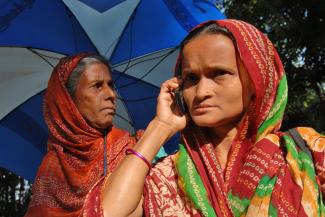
{"points": [[146, 74], [146, 55], [142, 61], [118, 38], [137, 100], [70, 15], [153, 58], [40, 55], [47, 56], [130, 55], [127, 68]]}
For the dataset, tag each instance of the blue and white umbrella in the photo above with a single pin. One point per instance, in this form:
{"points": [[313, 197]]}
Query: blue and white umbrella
{"points": [[139, 37]]}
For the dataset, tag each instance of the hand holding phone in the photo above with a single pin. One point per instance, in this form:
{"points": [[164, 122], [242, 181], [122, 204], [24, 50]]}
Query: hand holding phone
{"points": [[169, 98]]}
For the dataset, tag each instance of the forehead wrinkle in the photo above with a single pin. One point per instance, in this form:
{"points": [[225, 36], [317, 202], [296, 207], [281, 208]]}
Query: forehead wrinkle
{"points": [[98, 75], [209, 56], [208, 64]]}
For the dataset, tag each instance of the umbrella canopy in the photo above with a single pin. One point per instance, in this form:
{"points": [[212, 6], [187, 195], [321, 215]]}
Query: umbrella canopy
{"points": [[140, 39]]}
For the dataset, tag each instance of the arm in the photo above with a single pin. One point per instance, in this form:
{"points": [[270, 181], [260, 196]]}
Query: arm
{"points": [[124, 188]]}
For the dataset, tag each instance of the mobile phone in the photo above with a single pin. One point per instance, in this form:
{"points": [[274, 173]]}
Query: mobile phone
{"points": [[178, 93]]}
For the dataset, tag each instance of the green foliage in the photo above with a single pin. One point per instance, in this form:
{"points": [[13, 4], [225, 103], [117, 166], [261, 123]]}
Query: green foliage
{"points": [[297, 28], [15, 193]]}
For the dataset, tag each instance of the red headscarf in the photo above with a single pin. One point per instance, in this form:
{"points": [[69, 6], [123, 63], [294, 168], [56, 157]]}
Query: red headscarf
{"points": [[75, 157], [265, 70], [210, 186]]}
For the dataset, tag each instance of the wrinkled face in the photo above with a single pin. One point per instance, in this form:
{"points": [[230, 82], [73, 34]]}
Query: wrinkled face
{"points": [[94, 96], [216, 89]]}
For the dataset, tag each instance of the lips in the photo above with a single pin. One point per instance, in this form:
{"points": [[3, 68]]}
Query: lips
{"points": [[202, 108], [109, 109]]}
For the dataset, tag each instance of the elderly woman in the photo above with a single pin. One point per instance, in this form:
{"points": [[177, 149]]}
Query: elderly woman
{"points": [[83, 145], [233, 160]]}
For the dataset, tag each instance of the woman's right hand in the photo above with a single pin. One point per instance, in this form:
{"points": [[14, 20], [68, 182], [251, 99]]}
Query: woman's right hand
{"points": [[167, 110]]}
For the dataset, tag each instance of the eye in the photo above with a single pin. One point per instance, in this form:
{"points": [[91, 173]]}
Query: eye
{"points": [[110, 84], [190, 77], [219, 73], [98, 85]]}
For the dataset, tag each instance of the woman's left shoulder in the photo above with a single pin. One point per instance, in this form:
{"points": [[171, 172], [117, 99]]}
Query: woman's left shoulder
{"points": [[314, 140]]}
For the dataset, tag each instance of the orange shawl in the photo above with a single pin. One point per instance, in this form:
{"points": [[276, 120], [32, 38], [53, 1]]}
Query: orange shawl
{"points": [[74, 161]]}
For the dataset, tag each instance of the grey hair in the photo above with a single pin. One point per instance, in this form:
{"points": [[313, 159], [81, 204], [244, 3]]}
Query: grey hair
{"points": [[75, 75]]}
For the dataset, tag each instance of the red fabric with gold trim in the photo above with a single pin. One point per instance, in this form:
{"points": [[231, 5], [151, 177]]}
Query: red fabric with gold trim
{"points": [[264, 69]]}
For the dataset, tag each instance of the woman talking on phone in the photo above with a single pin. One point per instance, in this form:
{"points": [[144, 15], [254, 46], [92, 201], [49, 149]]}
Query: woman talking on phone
{"points": [[232, 159]]}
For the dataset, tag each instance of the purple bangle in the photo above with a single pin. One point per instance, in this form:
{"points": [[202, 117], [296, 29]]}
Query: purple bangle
{"points": [[131, 151]]}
